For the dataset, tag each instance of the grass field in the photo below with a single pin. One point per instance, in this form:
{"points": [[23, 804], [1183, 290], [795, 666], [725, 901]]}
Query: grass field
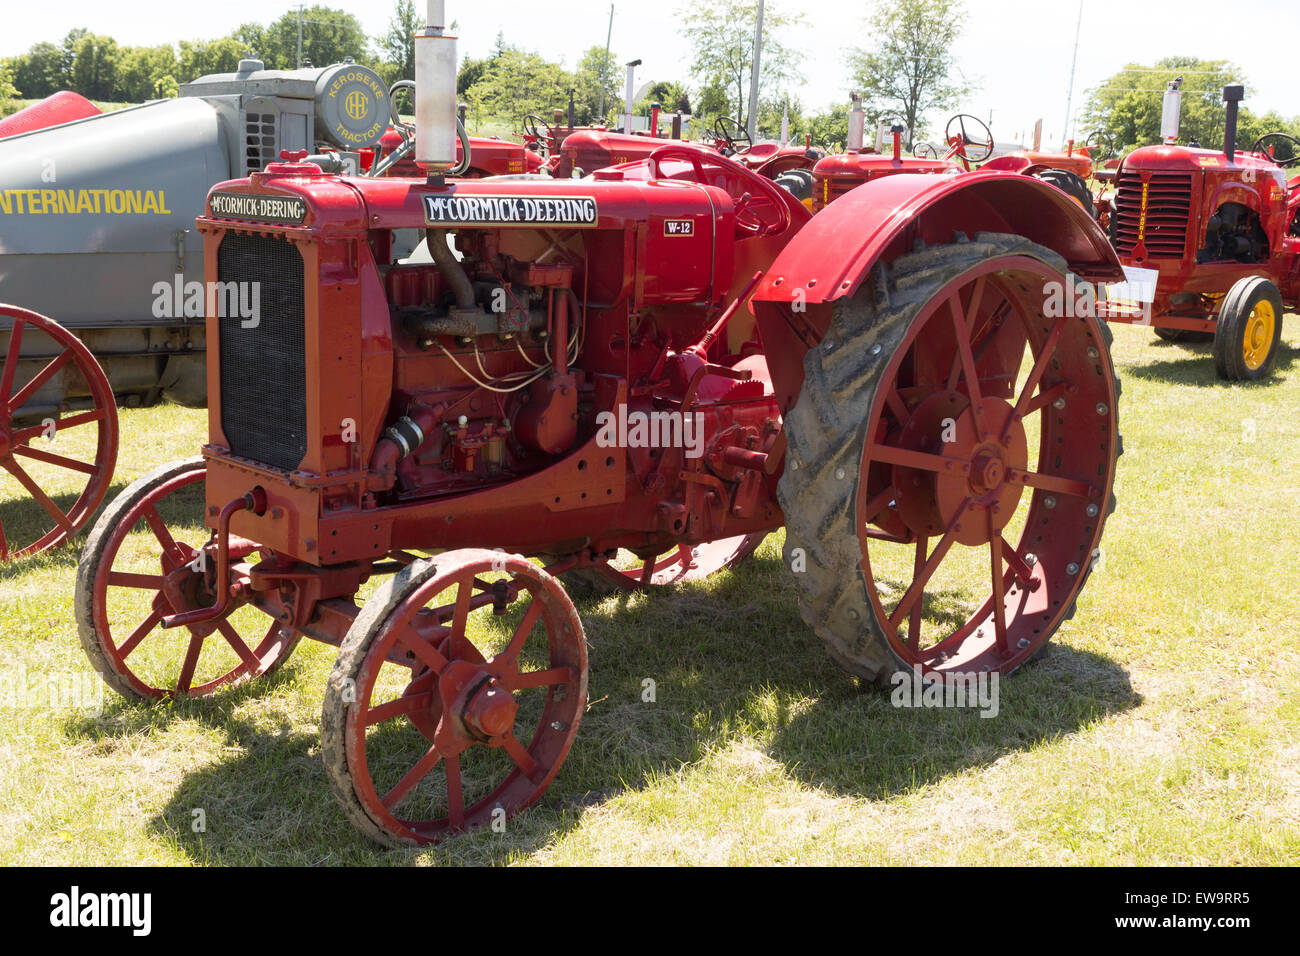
{"points": [[1161, 727]]}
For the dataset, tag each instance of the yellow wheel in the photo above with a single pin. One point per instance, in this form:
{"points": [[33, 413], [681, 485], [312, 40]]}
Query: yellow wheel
{"points": [[1257, 343], [1249, 330]]}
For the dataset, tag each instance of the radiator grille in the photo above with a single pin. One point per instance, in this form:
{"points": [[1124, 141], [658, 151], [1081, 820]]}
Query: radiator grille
{"points": [[1169, 207], [830, 188], [263, 368]]}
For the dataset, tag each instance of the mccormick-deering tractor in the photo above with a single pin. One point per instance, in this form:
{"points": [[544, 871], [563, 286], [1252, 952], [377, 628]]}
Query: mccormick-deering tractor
{"points": [[1214, 239], [572, 378]]}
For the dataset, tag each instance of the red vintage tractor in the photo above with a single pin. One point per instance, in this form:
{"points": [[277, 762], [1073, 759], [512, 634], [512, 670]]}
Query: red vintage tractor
{"points": [[1214, 239], [970, 144], [569, 388], [578, 151]]}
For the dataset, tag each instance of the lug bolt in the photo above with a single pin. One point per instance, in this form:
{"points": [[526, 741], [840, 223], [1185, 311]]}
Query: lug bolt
{"points": [[1071, 568], [1092, 352], [1023, 643], [557, 725], [839, 473], [1049, 502], [1093, 511], [1102, 408], [1031, 559], [875, 349], [1059, 404]]}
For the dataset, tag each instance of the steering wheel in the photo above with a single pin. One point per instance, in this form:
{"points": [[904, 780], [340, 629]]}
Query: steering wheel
{"points": [[730, 132], [1268, 145], [926, 151], [533, 127], [1099, 145], [959, 140], [759, 193]]}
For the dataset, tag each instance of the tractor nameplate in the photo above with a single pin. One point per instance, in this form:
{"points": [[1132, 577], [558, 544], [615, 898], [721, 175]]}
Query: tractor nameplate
{"points": [[509, 210], [679, 227], [286, 209]]}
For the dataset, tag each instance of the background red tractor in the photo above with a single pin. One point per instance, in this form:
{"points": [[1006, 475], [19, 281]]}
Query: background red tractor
{"points": [[574, 151], [970, 146], [571, 375], [1214, 239]]}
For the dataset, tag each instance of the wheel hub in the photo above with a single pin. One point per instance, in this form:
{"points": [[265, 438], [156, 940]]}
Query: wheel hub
{"points": [[976, 486], [491, 710], [1259, 335], [484, 710]]}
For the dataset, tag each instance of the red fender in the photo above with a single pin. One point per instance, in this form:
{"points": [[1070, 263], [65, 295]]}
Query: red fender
{"points": [[881, 219]]}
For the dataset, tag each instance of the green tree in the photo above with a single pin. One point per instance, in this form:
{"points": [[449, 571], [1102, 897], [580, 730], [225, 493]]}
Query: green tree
{"points": [[721, 33], [94, 67], [515, 84], [1128, 105], [907, 73], [596, 73], [397, 45], [145, 73], [328, 36], [771, 113], [8, 92], [201, 58], [39, 71], [830, 130]]}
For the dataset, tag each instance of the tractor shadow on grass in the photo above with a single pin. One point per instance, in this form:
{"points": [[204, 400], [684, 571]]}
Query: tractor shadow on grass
{"points": [[733, 661], [1195, 366], [729, 662]]}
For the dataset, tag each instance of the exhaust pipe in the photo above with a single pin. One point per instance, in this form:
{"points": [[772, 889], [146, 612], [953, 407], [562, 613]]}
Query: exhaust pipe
{"points": [[631, 89], [1232, 95], [435, 92], [1169, 115], [857, 124]]}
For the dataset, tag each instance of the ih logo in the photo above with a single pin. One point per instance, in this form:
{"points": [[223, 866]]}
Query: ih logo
{"points": [[355, 104]]}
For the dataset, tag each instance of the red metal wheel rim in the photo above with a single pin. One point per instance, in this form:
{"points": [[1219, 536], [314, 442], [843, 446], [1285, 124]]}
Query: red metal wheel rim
{"points": [[684, 563], [174, 558], [18, 430], [448, 701], [961, 489]]}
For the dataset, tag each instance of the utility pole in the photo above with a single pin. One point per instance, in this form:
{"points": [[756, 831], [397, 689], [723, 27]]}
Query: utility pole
{"points": [[300, 36], [753, 80], [1069, 97], [604, 65]]}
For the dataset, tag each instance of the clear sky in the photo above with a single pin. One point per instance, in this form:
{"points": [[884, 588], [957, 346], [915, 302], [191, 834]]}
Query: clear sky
{"points": [[1016, 53]]}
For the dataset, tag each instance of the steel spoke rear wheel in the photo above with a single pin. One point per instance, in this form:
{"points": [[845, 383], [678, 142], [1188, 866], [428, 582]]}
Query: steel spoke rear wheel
{"points": [[455, 698], [58, 434], [964, 440]]}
